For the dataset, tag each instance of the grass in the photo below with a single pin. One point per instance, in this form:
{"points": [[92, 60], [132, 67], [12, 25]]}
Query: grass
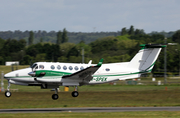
{"points": [[144, 114], [106, 96]]}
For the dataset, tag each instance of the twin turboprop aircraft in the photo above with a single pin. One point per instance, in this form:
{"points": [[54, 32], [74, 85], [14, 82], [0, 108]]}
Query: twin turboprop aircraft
{"points": [[50, 75]]}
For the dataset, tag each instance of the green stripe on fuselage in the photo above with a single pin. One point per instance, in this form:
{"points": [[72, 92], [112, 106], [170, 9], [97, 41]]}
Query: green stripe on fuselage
{"points": [[51, 73]]}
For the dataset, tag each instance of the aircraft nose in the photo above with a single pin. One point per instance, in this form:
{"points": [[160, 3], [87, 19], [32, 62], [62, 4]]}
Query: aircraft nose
{"points": [[6, 76]]}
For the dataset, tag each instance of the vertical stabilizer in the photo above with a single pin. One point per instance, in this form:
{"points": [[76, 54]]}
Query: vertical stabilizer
{"points": [[145, 59]]}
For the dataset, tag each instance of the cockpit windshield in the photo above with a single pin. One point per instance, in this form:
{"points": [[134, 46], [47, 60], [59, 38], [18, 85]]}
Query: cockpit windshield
{"points": [[34, 66]]}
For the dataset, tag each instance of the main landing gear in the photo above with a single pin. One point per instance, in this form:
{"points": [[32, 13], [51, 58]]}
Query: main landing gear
{"points": [[55, 96], [75, 92], [8, 93]]}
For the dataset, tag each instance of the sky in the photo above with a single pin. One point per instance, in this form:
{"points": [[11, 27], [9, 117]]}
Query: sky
{"points": [[89, 15]]}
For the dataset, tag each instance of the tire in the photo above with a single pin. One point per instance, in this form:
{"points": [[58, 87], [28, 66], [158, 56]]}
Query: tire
{"points": [[55, 96], [74, 93], [8, 94]]}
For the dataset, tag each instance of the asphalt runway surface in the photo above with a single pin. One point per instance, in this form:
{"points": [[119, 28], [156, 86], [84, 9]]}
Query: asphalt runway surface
{"points": [[89, 109]]}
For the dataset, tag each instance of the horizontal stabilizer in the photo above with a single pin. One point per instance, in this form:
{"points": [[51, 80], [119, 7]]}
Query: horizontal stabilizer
{"points": [[144, 46]]}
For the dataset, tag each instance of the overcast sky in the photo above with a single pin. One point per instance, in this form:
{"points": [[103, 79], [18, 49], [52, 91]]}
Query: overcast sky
{"points": [[89, 15]]}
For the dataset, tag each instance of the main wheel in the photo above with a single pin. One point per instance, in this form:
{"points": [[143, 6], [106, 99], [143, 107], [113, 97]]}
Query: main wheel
{"points": [[75, 93], [55, 96], [8, 94]]}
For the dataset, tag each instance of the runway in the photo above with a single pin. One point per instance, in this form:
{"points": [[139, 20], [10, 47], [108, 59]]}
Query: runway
{"points": [[89, 109]]}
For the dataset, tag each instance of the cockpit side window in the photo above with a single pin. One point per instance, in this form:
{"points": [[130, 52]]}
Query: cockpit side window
{"points": [[41, 66]]}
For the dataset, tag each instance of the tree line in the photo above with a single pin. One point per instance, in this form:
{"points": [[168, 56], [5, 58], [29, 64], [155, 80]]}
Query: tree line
{"points": [[119, 48], [73, 37]]}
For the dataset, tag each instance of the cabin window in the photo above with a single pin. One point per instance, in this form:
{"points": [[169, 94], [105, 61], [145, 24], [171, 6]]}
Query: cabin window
{"points": [[41, 66], [64, 67], [58, 67], [81, 68], [76, 68], [52, 67], [70, 67], [107, 69]]}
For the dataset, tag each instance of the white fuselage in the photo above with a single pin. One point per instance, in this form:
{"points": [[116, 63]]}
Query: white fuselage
{"points": [[106, 73]]}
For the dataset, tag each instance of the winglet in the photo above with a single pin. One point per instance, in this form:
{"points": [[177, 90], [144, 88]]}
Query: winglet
{"points": [[100, 62]]}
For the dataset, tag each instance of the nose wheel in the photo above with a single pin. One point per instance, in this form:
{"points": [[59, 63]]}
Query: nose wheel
{"points": [[8, 94]]}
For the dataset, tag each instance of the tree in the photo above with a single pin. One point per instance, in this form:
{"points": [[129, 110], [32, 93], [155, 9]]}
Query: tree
{"points": [[131, 30], [2, 41], [56, 53], [59, 38], [73, 52], [156, 37], [64, 36], [27, 60], [123, 31], [137, 32], [176, 37], [31, 38], [41, 40], [22, 43]]}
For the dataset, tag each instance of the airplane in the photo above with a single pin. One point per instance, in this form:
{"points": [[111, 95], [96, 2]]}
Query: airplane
{"points": [[51, 75]]}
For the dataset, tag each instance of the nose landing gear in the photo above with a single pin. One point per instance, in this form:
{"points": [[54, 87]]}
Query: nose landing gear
{"points": [[8, 93]]}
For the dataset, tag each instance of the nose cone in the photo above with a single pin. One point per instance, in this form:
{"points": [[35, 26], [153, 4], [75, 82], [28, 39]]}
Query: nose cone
{"points": [[9, 75], [18, 73], [6, 75], [32, 74]]}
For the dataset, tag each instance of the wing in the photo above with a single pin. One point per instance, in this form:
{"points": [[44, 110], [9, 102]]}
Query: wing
{"points": [[85, 74]]}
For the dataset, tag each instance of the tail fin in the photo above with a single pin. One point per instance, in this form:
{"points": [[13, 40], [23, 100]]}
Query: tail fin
{"points": [[145, 59]]}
